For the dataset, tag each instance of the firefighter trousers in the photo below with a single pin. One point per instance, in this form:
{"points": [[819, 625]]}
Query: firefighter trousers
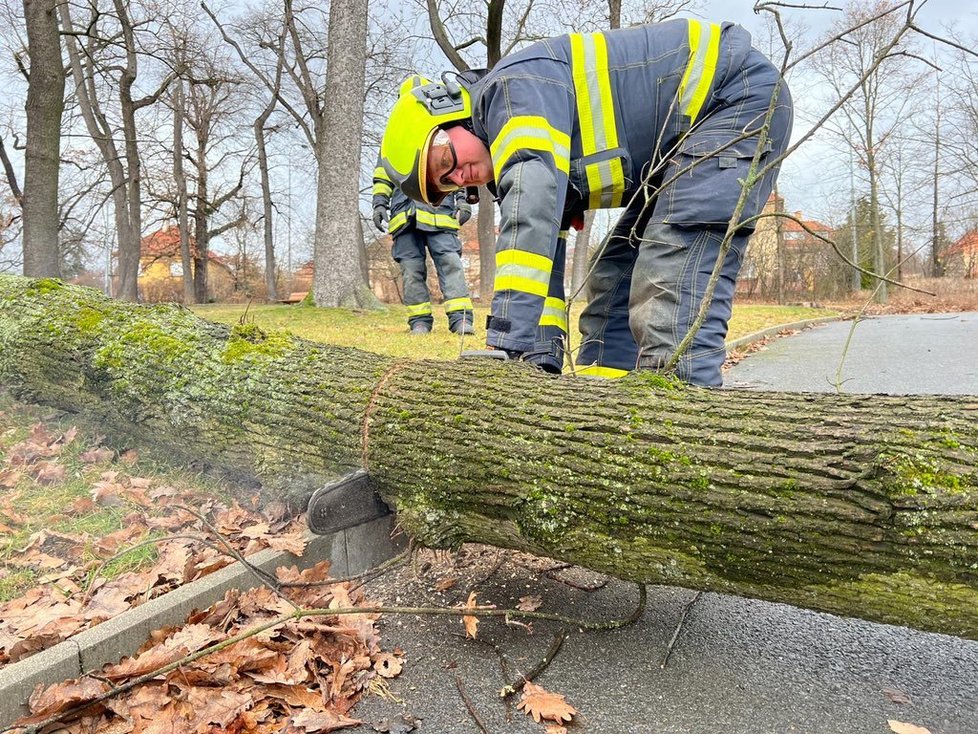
{"points": [[648, 283], [409, 251]]}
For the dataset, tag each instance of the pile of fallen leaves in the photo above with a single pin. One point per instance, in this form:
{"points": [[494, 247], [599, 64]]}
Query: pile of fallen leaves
{"points": [[301, 675], [72, 592]]}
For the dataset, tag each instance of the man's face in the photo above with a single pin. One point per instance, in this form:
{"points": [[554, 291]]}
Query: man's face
{"points": [[457, 158]]}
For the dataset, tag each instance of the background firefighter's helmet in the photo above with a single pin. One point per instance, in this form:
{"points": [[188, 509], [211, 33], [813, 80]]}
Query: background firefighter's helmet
{"points": [[421, 107]]}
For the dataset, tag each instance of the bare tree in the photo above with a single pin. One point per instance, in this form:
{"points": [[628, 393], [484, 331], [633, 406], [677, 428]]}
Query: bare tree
{"points": [[329, 113], [869, 51], [42, 158], [106, 49]]}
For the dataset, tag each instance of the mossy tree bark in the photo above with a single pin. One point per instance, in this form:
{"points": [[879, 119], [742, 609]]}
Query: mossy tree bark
{"points": [[859, 505]]}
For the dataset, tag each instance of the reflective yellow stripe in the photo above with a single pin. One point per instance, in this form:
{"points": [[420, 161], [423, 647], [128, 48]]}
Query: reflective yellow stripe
{"points": [[380, 173], [606, 184], [397, 221], [554, 313], [442, 221], [526, 272], [382, 188], [458, 304], [594, 370], [562, 234], [530, 132], [701, 68], [596, 117], [419, 309]]}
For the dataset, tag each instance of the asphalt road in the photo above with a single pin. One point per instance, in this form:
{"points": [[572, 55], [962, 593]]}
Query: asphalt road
{"points": [[738, 666]]}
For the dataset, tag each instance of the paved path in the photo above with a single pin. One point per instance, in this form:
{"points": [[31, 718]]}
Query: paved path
{"points": [[926, 353], [739, 666]]}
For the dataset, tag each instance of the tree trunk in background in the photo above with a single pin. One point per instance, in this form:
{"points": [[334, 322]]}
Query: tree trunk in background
{"points": [[42, 158], [339, 252], [202, 212], [579, 266], [271, 292], [486, 227], [180, 178], [865, 506]]}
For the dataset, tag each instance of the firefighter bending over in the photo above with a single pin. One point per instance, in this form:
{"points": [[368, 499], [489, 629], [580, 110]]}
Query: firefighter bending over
{"points": [[663, 120]]}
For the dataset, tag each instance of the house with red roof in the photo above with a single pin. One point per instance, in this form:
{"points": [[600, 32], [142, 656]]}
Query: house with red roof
{"points": [[961, 258], [161, 268]]}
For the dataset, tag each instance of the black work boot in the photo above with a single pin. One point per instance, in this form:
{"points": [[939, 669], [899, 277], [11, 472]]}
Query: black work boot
{"points": [[421, 327], [462, 326]]}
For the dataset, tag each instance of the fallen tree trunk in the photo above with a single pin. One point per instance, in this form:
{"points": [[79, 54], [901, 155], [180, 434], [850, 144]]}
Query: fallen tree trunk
{"points": [[864, 506]]}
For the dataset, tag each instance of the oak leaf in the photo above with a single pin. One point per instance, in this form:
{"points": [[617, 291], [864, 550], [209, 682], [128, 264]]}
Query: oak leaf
{"points": [[901, 727], [96, 456], [49, 472], [541, 704], [186, 640], [217, 707], [529, 603], [322, 721], [293, 542], [470, 623], [46, 701]]}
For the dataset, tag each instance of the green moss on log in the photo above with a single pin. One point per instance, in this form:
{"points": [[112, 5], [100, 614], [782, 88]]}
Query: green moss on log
{"points": [[857, 505]]}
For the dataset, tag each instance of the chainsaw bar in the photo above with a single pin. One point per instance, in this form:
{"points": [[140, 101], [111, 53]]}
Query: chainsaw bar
{"points": [[349, 501]]}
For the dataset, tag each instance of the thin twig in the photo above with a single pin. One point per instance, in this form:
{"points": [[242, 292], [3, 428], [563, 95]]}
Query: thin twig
{"points": [[468, 704], [517, 685], [679, 627]]}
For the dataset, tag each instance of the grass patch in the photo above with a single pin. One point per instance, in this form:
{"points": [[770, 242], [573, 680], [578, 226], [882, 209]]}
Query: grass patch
{"points": [[385, 331], [65, 506]]}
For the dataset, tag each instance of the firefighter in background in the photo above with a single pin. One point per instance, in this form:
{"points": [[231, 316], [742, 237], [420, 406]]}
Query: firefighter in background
{"points": [[415, 228], [661, 119]]}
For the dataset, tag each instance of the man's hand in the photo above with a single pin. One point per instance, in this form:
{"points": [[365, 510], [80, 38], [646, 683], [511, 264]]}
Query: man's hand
{"points": [[380, 218], [463, 214]]}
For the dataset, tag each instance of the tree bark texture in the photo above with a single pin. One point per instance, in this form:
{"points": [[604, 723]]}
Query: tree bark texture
{"points": [[42, 159], [858, 505]]}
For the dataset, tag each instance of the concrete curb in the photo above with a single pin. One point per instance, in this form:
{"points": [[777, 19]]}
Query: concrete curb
{"points": [[351, 551], [736, 344]]}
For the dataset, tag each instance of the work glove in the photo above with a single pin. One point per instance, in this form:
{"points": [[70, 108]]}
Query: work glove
{"points": [[464, 214], [380, 218]]}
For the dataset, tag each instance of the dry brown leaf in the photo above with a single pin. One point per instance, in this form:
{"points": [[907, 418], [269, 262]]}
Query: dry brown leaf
{"points": [[555, 729], [96, 456], [470, 623], [387, 665], [322, 721], [445, 583], [896, 695], [106, 492], [297, 696], [129, 457], [81, 506], [541, 704], [9, 478], [529, 603], [294, 542], [901, 727], [186, 640], [49, 472], [217, 707], [46, 701], [255, 530]]}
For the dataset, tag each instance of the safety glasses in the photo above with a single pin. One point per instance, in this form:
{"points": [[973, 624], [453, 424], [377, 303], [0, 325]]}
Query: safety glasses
{"points": [[442, 162]]}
